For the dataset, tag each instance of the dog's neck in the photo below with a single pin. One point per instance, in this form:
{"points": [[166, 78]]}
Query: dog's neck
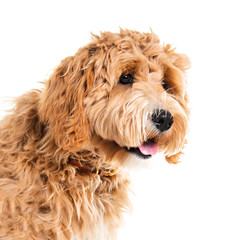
{"points": [[102, 149], [86, 168]]}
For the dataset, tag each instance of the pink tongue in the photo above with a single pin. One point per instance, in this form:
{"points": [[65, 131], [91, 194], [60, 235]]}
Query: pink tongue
{"points": [[149, 148]]}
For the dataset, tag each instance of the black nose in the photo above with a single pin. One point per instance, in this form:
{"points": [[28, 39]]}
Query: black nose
{"points": [[162, 119]]}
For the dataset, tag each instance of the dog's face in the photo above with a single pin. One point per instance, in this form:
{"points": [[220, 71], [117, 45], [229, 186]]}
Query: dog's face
{"points": [[127, 90]]}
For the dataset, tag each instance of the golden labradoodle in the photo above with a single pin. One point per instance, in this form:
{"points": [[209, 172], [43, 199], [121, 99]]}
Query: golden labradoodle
{"points": [[65, 151]]}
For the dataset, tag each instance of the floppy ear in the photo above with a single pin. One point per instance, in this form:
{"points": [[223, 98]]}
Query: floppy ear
{"points": [[61, 104], [174, 159], [180, 63]]}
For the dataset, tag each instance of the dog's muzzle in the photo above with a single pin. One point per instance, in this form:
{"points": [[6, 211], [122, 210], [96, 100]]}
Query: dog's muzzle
{"points": [[162, 119]]}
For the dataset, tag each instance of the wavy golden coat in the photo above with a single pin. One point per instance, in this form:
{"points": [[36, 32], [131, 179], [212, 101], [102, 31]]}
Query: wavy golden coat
{"points": [[87, 114]]}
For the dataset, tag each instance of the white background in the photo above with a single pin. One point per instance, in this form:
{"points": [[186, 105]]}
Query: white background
{"points": [[206, 195]]}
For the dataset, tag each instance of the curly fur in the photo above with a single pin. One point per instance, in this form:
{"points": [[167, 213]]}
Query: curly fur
{"points": [[83, 113]]}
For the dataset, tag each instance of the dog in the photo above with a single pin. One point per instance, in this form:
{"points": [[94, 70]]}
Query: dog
{"points": [[66, 150]]}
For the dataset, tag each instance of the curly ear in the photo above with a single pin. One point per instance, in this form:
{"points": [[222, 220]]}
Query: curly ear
{"points": [[61, 104], [174, 159], [179, 63]]}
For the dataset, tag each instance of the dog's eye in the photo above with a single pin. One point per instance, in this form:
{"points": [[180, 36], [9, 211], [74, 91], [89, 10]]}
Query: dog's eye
{"points": [[126, 79], [166, 85]]}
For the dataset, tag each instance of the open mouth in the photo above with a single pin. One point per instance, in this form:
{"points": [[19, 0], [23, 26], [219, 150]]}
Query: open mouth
{"points": [[146, 150]]}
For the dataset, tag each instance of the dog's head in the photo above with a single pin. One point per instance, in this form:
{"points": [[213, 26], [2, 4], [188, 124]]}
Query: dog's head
{"points": [[123, 92]]}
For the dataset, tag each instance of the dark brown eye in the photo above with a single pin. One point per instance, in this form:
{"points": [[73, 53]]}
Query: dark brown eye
{"points": [[126, 79], [165, 85]]}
